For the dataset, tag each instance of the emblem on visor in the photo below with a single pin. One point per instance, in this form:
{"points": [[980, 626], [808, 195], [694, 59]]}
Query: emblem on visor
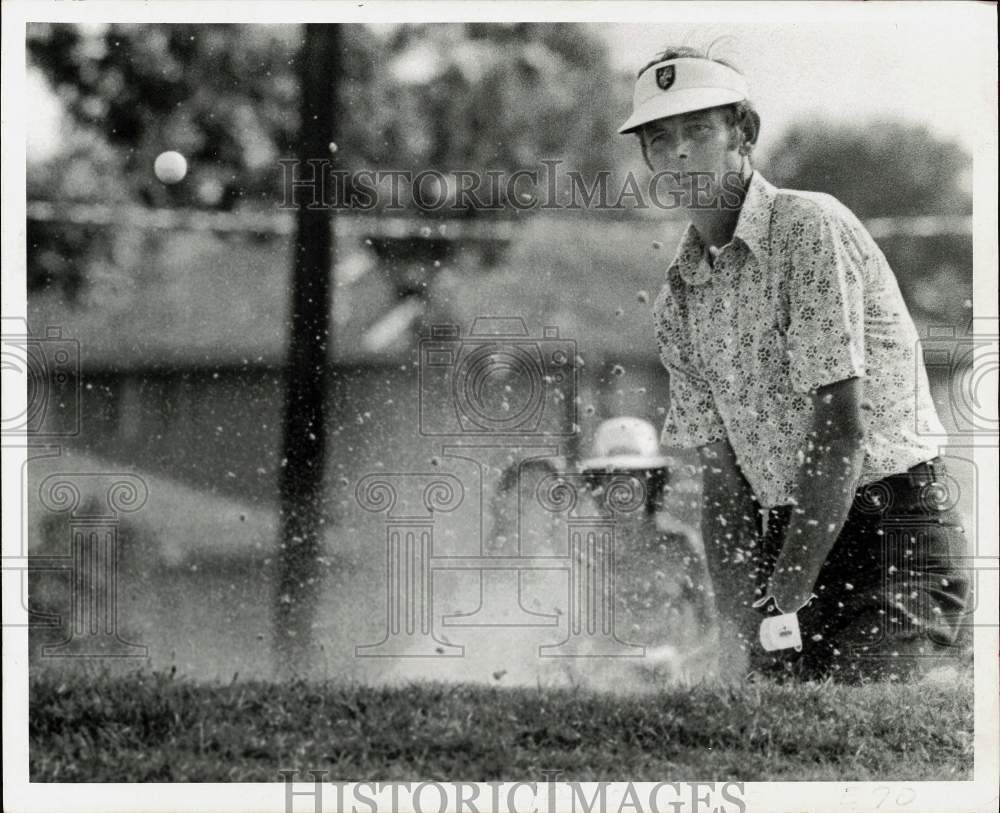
{"points": [[665, 77]]}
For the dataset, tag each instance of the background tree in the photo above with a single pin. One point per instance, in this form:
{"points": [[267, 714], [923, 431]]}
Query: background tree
{"points": [[498, 96], [893, 169], [442, 97], [418, 97], [225, 96], [886, 168]]}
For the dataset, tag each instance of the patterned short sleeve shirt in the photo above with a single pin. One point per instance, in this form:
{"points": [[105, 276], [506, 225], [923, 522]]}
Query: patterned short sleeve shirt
{"points": [[801, 297]]}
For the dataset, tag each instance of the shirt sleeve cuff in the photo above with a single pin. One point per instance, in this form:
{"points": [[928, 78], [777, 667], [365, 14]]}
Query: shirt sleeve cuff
{"points": [[840, 360], [687, 433]]}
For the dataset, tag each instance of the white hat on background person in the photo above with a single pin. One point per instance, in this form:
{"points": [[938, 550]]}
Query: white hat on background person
{"points": [[683, 85], [625, 444]]}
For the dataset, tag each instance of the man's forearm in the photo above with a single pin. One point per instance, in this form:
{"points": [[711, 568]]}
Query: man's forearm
{"points": [[827, 480], [727, 504], [728, 527], [729, 531]]}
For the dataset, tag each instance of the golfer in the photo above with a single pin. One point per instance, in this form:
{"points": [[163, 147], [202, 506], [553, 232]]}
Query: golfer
{"points": [[794, 370]]}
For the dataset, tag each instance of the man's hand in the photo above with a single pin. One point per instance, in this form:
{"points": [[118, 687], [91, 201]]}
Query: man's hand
{"points": [[827, 478]]}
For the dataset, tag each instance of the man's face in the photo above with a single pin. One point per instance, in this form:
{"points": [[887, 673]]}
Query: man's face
{"points": [[702, 144]]}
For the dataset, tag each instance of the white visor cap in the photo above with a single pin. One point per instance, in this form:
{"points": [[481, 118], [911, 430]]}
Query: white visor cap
{"points": [[677, 86], [624, 444]]}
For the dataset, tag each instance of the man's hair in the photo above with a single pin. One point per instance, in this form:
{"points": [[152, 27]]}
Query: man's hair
{"points": [[741, 115]]}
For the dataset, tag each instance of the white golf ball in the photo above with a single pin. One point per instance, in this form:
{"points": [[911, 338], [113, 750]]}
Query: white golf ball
{"points": [[170, 167]]}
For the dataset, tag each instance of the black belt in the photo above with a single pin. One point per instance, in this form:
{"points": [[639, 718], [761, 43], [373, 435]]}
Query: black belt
{"points": [[929, 471], [929, 468]]}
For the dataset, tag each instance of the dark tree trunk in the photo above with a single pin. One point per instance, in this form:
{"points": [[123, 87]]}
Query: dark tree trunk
{"points": [[304, 431]]}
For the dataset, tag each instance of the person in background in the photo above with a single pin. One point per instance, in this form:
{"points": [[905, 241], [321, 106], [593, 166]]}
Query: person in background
{"points": [[662, 591]]}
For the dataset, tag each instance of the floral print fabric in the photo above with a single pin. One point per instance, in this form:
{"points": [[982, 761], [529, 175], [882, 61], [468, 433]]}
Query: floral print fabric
{"points": [[800, 298]]}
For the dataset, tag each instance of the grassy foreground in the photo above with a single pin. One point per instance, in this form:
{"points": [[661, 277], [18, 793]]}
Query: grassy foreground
{"points": [[155, 728]]}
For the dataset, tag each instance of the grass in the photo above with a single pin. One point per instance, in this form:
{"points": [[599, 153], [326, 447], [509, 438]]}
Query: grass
{"points": [[149, 727]]}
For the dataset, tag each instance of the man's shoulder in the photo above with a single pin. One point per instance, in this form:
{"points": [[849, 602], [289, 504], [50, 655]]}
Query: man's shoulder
{"points": [[798, 204], [802, 212]]}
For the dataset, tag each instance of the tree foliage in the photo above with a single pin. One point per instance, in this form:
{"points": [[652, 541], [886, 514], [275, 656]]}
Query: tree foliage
{"points": [[411, 97], [497, 96], [441, 97], [878, 169]]}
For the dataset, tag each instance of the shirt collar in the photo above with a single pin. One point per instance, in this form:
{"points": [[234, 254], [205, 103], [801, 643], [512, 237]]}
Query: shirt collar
{"points": [[752, 229], [754, 225], [690, 258]]}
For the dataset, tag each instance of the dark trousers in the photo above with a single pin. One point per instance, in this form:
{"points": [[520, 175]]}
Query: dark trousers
{"points": [[892, 594]]}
